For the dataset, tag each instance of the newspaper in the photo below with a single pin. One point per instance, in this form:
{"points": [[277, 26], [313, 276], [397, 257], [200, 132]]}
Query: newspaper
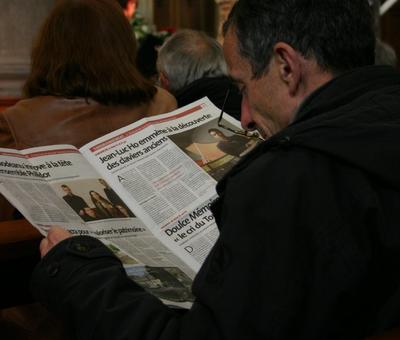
{"points": [[145, 190]]}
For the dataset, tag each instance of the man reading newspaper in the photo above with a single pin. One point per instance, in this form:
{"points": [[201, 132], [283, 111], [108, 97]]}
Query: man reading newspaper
{"points": [[309, 244]]}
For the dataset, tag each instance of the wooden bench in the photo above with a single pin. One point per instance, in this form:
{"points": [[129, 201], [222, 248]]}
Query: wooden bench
{"points": [[19, 253], [392, 335]]}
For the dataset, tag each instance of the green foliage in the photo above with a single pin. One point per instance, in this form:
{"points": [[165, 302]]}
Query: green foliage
{"points": [[142, 29]]}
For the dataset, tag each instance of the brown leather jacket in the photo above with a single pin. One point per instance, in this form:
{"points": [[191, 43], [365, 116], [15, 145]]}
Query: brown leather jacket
{"points": [[47, 120]]}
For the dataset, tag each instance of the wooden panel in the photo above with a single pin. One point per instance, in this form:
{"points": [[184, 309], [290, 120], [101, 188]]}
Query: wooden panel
{"points": [[19, 253], [392, 335], [194, 14], [390, 28], [18, 239]]}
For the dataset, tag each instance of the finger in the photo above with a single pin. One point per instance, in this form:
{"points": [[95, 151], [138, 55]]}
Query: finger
{"points": [[57, 234], [43, 247]]}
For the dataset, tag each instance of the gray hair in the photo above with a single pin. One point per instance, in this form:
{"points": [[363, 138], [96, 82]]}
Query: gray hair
{"points": [[189, 55], [317, 29]]}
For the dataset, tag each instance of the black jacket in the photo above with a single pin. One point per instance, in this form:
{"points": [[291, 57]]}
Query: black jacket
{"points": [[309, 244]]}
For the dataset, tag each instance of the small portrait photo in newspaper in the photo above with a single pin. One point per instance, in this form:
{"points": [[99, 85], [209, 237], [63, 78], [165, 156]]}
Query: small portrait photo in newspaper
{"points": [[213, 148], [92, 199]]}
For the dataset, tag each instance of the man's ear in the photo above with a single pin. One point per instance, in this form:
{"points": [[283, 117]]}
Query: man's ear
{"points": [[164, 82], [289, 66]]}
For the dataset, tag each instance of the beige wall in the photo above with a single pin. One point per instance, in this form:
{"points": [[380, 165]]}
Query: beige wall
{"points": [[19, 22], [146, 9]]}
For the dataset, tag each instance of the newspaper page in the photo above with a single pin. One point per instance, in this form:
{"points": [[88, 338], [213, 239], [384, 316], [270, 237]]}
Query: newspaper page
{"points": [[145, 190], [55, 185], [165, 168]]}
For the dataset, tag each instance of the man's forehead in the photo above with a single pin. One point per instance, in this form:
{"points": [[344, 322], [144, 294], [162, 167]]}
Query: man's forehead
{"points": [[237, 64], [231, 42]]}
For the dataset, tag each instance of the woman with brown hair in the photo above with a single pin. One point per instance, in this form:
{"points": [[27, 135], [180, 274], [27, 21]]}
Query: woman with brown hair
{"points": [[83, 81], [104, 208]]}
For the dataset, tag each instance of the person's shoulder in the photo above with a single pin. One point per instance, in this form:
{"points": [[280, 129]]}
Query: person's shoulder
{"points": [[13, 118], [18, 108], [27, 106], [7, 139], [162, 102], [282, 165]]}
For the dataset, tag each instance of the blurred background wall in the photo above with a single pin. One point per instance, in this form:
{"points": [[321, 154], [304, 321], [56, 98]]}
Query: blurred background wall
{"points": [[20, 20]]}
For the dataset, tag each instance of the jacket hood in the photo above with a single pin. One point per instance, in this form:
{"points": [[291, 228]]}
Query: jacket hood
{"points": [[356, 119]]}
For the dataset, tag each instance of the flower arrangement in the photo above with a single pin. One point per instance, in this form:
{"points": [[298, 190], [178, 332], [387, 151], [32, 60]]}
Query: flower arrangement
{"points": [[142, 29]]}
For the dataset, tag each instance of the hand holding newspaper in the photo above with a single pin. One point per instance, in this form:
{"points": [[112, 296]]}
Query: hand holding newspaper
{"points": [[145, 190]]}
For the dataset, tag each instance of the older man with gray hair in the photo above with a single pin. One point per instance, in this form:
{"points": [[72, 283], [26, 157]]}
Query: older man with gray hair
{"points": [[191, 65]]}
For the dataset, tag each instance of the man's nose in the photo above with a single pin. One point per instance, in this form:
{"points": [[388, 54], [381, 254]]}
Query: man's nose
{"points": [[246, 118]]}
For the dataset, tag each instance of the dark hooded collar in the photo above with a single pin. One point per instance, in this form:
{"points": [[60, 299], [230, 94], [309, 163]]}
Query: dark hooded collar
{"points": [[344, 88]]}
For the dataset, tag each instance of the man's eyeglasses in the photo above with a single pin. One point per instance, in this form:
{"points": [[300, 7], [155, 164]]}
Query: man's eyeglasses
{"points": [[237, 132]]}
